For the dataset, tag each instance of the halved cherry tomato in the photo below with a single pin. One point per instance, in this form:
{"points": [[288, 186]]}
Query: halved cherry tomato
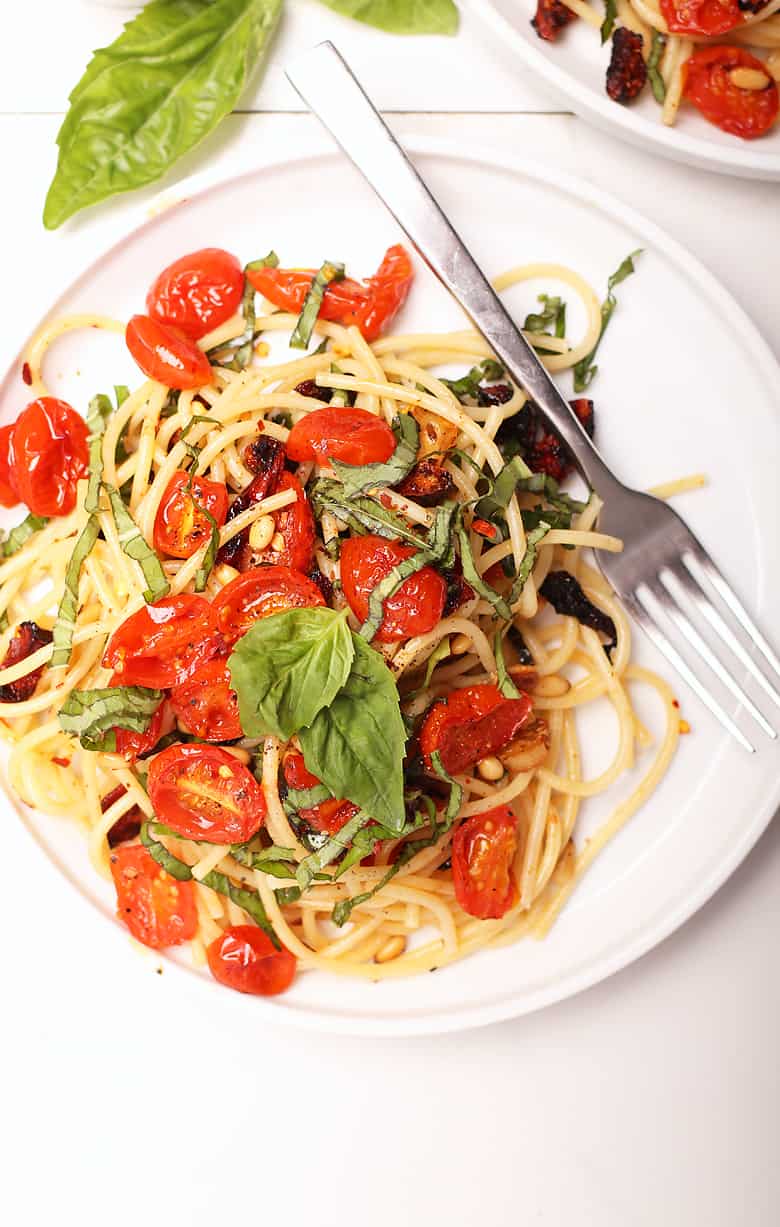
{"points": [[50, 454], [258, 593], [206, 705], [414, 609], [157, 909], [352, 435], [202, 792], [329, 816], [197, 292], [707, 83], [134, 745], [164, 643], [9, 495], [483, 851], [180, 527], [471, 723], [371, 305], [166, 355], [702, 17], [245, 958], [295, 525]]}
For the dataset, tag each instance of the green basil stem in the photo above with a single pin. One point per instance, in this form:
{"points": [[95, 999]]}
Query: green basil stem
{"points": [[330, 271], [134, 545], [657, 83], [62, 635]]}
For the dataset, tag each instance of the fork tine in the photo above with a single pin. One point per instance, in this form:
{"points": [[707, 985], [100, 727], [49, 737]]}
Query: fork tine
{"points": [[702, 559], [706, 608], [689, 631], [647, 621]]}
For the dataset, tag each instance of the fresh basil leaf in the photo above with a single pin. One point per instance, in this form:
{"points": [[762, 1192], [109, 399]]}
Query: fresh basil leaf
{"points": [[610, 16], [356, 745], [62, 635], [173, 74], [237, 354], [20, 534], [505, 683], [362, 513], [289, 666], [306, 798], [328, 272], [356, 478], [551, 320], [244, 898], [475, 580], [467, 387], [503, 487], [584, 371], [401, 16], [440, 653], [121, 393], [440, 544], [92, 715], [529, 559], [134, 545], [210, 557], [98, 413], [456, 792], [310, 867], [657, 83]]}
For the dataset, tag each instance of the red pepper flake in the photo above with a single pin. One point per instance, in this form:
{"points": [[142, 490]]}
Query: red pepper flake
{"points": [[27, 374], [675, 704], [61, 762], [685, 726], [386, 501]]}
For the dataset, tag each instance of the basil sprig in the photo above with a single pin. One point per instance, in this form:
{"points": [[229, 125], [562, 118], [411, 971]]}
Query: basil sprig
{"points": [[92, 715], [304, 327], [584, 371], [356, 478]]}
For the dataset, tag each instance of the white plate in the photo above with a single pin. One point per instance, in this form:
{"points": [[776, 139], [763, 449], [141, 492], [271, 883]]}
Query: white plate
{"points": [[685, 384], [574, 69]]}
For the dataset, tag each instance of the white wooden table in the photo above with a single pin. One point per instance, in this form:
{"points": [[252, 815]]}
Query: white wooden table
{"points": [[652, 1099]]}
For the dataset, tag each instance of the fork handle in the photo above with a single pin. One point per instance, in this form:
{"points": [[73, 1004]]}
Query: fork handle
{"points": [[329, 88]]}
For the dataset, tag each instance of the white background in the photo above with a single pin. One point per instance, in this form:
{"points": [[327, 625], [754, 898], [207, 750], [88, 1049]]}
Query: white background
{"points": [[652, 1099]]}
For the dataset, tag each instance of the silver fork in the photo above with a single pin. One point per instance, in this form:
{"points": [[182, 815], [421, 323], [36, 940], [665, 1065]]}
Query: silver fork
{"points": [[663, 573]]}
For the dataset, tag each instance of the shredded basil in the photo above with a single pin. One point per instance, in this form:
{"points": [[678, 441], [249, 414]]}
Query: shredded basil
{"points": [[529, 559], [657, 82], [585, 371], [99, 410], [475, 580], [330, 271], [237, 355], [338, 843], [551, 320], [20, 534], [357, 478], [467, 387], [610, 16], [306, 798], [363, 514], [505, 683], [503, 486], [92, 715], [62, 635], [440, 653], [134, 545]]}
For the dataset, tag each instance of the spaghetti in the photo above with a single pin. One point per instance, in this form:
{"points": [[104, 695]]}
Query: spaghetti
{"points": [[414, 899]]}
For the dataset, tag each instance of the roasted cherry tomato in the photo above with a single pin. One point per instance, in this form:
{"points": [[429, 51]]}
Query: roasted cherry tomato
{"points": [[50, 454], [258, 593], [134, 745], [414, 609], [9, 495], [202, 792], [329, 816], [245, 958], [483, 851], [25, 641], [180, 526], [167, 355], [157, 909], [164, 643], [707, 83], [706, 18], [371, 305], [197, 292], [295, 528], [352, 435], [206, 705], [471, 723]]}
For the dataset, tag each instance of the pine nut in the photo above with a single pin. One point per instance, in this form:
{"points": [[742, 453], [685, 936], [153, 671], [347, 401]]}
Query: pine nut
{"points": [[460, 644], [391, 949], [224, 573], [277, 542], [552, 687], [490, 769], [261, 532], [749, 78], [238, 752], [224, 772]]}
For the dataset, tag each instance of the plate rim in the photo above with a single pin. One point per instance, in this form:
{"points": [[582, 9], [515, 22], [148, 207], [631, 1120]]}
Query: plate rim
{"points": [[443, 1020], [742, 160]]}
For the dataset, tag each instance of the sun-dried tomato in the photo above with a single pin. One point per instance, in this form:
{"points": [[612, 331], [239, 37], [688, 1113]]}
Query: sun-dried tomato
{"points": [[323, 583], [458, 591], [548, 455], [265, 458], [586, 413], [428, 483], [551, 17], [27, 638], [494, 394], [128, 825], [627, 72], [565, 594], [309, 388], [517, 434]]}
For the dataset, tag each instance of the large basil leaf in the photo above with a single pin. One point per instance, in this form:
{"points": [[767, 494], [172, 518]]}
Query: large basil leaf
{"points": [[356, 745], [287, 667], [401, 16], [177, 69]]}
